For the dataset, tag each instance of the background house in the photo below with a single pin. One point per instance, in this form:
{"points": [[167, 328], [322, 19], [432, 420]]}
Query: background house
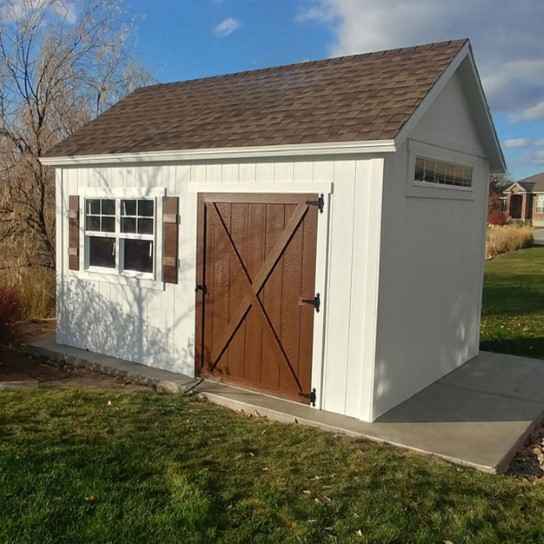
{"points": [[524, 200], [313, 231]]}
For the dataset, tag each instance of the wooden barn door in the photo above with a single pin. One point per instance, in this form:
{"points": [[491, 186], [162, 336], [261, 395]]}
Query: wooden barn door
{"points": [[256, 261]]}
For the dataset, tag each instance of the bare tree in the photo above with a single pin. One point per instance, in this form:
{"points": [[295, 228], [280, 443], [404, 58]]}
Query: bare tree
{"points": [[61, 64]]}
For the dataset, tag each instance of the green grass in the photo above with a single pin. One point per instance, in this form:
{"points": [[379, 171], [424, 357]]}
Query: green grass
{"points": [[156, 468], [513, 308], [148, 468]]}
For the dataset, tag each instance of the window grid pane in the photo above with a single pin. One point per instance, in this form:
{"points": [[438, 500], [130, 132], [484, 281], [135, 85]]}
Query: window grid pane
{"points": [[442, 173], [100, 215], [102, 252], [138, 255], [136, 217]]}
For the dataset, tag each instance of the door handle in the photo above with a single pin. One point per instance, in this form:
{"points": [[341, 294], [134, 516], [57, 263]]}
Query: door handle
{"points": [[202, 288], [315, 302]]}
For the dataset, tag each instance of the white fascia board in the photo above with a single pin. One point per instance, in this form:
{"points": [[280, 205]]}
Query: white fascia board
{"points": [[438, 87], [432, 95], [509, 189], [500, 154], [227, 153]]}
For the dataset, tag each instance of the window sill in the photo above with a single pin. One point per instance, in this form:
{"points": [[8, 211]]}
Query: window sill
{"points": [[130, 279], [422, 189], [445, 186]]}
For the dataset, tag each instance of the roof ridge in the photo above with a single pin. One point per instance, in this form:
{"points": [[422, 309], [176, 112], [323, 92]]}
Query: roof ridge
{"points": [[279, 67]]}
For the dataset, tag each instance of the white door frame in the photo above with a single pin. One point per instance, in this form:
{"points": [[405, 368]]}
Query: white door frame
{"points": [[322, 250]]}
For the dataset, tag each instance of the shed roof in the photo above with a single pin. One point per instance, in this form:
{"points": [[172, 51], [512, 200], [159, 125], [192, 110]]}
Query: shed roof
{"points": [[354, 98]]}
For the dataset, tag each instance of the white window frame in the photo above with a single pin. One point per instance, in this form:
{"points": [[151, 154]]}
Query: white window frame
{"points": [[539, 204], [118, 274], [425, 189]]}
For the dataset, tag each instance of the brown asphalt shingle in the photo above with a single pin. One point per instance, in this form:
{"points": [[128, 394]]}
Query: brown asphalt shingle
{"points": [[354, 98], [533, 184]]}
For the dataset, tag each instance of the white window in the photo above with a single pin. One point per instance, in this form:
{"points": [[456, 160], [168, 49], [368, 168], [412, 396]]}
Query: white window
{"points": [[442, 173], [539, 203], [120, 235]]}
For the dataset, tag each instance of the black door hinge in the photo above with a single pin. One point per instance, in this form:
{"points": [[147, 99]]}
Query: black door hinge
{"points": [[315, 302], [311, 396], [320, 203], [201, 288]]}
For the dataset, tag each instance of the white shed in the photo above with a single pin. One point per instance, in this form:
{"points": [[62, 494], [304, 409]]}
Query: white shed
{"points": [[312, 231]]}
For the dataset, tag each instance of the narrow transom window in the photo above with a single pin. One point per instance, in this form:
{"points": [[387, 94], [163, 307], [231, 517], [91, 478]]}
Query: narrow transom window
{"points": [[442, 173]]}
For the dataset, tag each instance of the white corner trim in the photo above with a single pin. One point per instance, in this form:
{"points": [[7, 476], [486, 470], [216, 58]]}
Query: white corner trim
{"points": [[258, 187], [291, 150]]}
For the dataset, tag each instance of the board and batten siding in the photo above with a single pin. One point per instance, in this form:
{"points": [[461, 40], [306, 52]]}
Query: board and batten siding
{"points": [[432, 256], [155, 326]]}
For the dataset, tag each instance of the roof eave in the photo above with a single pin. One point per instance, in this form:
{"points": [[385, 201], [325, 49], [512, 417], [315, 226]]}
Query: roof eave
{"points": [[254, 152]]}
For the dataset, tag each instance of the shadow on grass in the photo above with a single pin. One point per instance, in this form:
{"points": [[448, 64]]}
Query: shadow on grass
{"points": [[518, 345], [513, 298]]}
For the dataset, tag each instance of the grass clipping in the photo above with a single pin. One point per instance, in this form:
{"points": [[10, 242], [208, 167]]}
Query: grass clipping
{"points": [[506, 238]]}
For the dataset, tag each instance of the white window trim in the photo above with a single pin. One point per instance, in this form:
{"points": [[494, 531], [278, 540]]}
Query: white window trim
{"points": [[539, 197], [325, 187], [117, 275], [425, 189]]}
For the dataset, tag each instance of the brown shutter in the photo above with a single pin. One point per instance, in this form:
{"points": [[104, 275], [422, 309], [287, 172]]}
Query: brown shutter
{"points": [[170, 205], [73, 232]]}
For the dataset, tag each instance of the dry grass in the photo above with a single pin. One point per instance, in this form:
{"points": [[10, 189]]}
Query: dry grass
{"points": [[503, 239], [35, 288]]}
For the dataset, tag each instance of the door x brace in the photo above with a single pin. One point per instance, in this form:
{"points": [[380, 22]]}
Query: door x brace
{"points": [[255, 285]]}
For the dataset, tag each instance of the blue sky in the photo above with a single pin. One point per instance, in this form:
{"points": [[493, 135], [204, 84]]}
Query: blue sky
{"points": [[183, 39], [177, 39]]}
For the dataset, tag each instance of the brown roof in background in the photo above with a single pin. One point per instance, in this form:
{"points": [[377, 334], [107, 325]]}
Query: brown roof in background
{"points": [[354, 98], [533, 184]]}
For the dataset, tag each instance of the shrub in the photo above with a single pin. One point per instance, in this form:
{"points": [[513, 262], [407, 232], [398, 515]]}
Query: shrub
{"points": [[35, 289], [497, 217], [10, 308], [506, 238]]}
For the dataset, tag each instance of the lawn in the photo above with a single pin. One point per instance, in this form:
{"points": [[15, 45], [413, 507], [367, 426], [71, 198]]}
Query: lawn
{"points": [[513, 309], [140, 467], [118, 467]]}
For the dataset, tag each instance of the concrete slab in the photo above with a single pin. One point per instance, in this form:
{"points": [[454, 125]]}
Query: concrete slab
{"points": [[538, 236], [170, 382], [476, 416], [494, 373]]}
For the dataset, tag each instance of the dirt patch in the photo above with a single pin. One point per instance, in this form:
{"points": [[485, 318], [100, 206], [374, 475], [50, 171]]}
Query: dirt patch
{"points": [[18, 368], [23, 331], [529, 461]]}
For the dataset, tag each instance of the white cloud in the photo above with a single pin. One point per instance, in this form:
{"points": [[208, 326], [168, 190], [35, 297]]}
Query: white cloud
{"points": [[14, 10], [506, 37], [516, 143], [226, 27], [532, 113], [537, 156]]}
